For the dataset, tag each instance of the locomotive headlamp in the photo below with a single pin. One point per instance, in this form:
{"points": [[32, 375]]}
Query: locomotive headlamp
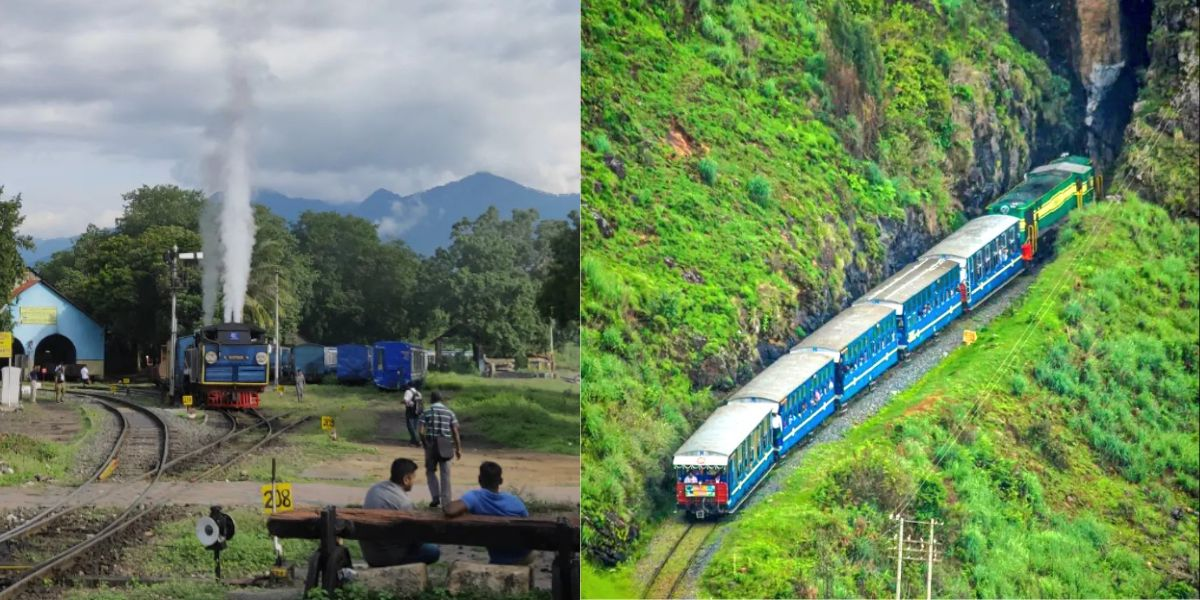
{"points": [[261, 358], [210, 357]]}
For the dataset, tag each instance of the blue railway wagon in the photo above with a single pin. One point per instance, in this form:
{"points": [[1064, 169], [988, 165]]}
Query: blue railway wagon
{"points": [[722, 462], [353, 363], [988, 253], [183, 370], [925, 297], [397, 364], [309, 359], [861, 340], [802, 386]]}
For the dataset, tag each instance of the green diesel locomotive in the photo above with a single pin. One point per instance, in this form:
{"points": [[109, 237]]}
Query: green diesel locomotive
{"points": [[1048, 193]]}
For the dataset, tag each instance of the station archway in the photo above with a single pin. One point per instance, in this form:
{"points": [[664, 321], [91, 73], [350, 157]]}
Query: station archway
{"points": [[54, 350]]}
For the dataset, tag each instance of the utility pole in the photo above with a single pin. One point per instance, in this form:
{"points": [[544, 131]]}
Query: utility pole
{"points": [[174, 260], [918, 549], [278, 356], [552, 347]]}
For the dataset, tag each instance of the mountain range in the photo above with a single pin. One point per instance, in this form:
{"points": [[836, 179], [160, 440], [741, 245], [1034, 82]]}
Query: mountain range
{"points": [[423, 219]]}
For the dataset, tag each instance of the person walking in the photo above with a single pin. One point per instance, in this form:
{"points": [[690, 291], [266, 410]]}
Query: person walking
{"points": [[60, 383], [393, 494], [83, 375], [438, 430], [299, 386], [413, 408]]}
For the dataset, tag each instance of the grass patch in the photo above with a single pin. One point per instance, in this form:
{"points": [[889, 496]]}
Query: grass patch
{"points": [[30, 457], [176, 590], [1063, 484]]}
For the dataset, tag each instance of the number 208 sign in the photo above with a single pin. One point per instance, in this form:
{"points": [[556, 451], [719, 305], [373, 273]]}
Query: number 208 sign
{"points": [[280, 500]]}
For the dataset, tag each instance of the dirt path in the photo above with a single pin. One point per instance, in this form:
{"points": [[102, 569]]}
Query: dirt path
{"points": [[44, 421]]}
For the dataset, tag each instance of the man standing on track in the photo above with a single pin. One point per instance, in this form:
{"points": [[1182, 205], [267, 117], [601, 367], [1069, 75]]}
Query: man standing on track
{"points": [[84, 378], [439, 433], [413, 408], [60, 383]]}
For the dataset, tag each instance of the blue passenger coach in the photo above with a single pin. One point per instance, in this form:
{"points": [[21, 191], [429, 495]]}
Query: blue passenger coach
{"points": [[861, 340], [988, 252], [397, 364], [802, 386], [722, 462], [925, 297], [354, 363]]}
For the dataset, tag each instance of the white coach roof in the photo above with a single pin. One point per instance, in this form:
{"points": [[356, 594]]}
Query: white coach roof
{"points": [[973, 236], [782, 377], [722, 433]]}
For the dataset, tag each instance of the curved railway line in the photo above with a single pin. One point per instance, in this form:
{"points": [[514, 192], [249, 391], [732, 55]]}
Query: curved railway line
{"points": [[669, 573], [130, 447]]}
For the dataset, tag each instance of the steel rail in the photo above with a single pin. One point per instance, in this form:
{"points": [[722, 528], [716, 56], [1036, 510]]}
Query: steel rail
{"points": [[35, 521], [119, 523]]}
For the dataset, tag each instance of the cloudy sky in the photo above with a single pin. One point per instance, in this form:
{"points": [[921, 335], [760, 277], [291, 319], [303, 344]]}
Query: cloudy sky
{"points": [[98, 98]]}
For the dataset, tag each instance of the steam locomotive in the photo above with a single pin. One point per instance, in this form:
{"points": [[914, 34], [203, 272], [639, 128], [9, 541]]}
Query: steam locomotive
{"points": [[226, 365]]}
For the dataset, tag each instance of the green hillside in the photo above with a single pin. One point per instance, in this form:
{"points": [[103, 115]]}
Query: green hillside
{"points": [[748, 168], [1062, 450]]}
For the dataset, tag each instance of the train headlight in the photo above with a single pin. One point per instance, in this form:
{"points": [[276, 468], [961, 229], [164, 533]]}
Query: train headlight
{"points": [[210, 357], [261, 358]]}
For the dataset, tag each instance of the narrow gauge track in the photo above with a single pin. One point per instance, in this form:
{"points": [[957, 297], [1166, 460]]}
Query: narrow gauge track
{"points": [[121, 521], [668, 575], [134, 512]]}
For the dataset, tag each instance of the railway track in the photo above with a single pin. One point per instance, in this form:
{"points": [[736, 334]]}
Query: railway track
{"points": [[125, 408], [130, 448], [670, 572]]}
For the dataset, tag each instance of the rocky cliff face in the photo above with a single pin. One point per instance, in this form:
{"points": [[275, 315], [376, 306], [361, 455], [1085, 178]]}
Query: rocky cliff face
{"points": [[1098, 46]]}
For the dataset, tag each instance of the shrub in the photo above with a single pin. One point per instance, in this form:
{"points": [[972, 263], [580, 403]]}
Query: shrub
{"points": [[769, 89], [708, 170], [760, 190], [1019, 384], [817, 64], [714, 32], [600, 143], [1072, 312]]}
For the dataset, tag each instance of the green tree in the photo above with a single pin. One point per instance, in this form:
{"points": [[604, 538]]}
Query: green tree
{"points": [[12, 266], [485, 283], [277, 252], [559, 295], [160, 205]]}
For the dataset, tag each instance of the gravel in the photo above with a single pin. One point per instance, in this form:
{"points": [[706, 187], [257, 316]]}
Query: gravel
{"points": [[897, 379]]}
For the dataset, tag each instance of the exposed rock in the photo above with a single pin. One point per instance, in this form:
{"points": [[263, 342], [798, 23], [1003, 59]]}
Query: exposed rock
{"points": [[401, 580], [615, 165], [692, 276], [606, 228], [497, 580]]}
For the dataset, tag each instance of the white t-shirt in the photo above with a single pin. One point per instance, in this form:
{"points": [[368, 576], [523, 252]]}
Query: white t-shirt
{"points": [[411, 395], [776, 421], [83, 373]]}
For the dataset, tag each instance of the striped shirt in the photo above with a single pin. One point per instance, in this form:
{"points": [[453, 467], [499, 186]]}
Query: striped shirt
{"points": [[438, 419]]}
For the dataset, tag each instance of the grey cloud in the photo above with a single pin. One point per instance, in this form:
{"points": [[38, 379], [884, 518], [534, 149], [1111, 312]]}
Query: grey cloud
{"points": [[349, 96]]}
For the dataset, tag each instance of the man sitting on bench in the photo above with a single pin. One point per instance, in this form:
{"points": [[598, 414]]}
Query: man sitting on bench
{"points": [[488, 500], [393, 494]]}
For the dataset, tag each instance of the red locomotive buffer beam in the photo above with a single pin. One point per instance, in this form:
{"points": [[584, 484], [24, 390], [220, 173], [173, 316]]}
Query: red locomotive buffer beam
{"points": [[232, 399]]}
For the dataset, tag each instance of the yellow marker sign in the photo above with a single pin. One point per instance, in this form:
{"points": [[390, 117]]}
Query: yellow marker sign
{"points": [[39, 315], [279, 388], [125, 380], [5, 344], [108, 470], [187, 399], [280, 501], [113, 388], [326, 423], [969, 336]]}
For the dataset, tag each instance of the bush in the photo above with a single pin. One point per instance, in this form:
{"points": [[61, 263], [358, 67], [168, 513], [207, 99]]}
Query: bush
{"points": [[600, 143], [769, 89], [760, 190], [708, 170]]}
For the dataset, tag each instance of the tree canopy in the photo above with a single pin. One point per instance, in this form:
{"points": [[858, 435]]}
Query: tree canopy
{"points": [[12, 267]]}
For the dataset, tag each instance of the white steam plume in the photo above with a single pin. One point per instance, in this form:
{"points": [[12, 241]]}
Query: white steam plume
{"points": [[210, 236], [228, 173]]}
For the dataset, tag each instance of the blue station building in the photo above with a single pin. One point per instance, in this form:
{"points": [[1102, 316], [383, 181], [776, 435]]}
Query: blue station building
{"points": [[52, 330]]}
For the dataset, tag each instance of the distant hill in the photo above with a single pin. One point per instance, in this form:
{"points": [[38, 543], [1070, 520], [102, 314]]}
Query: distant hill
{"points": [[43, 248], [424, 219]]}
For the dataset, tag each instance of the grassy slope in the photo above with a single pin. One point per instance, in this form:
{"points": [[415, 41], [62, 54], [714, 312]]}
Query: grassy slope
{"points": [[31, 457], [1064, 480], [818, 123]]}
